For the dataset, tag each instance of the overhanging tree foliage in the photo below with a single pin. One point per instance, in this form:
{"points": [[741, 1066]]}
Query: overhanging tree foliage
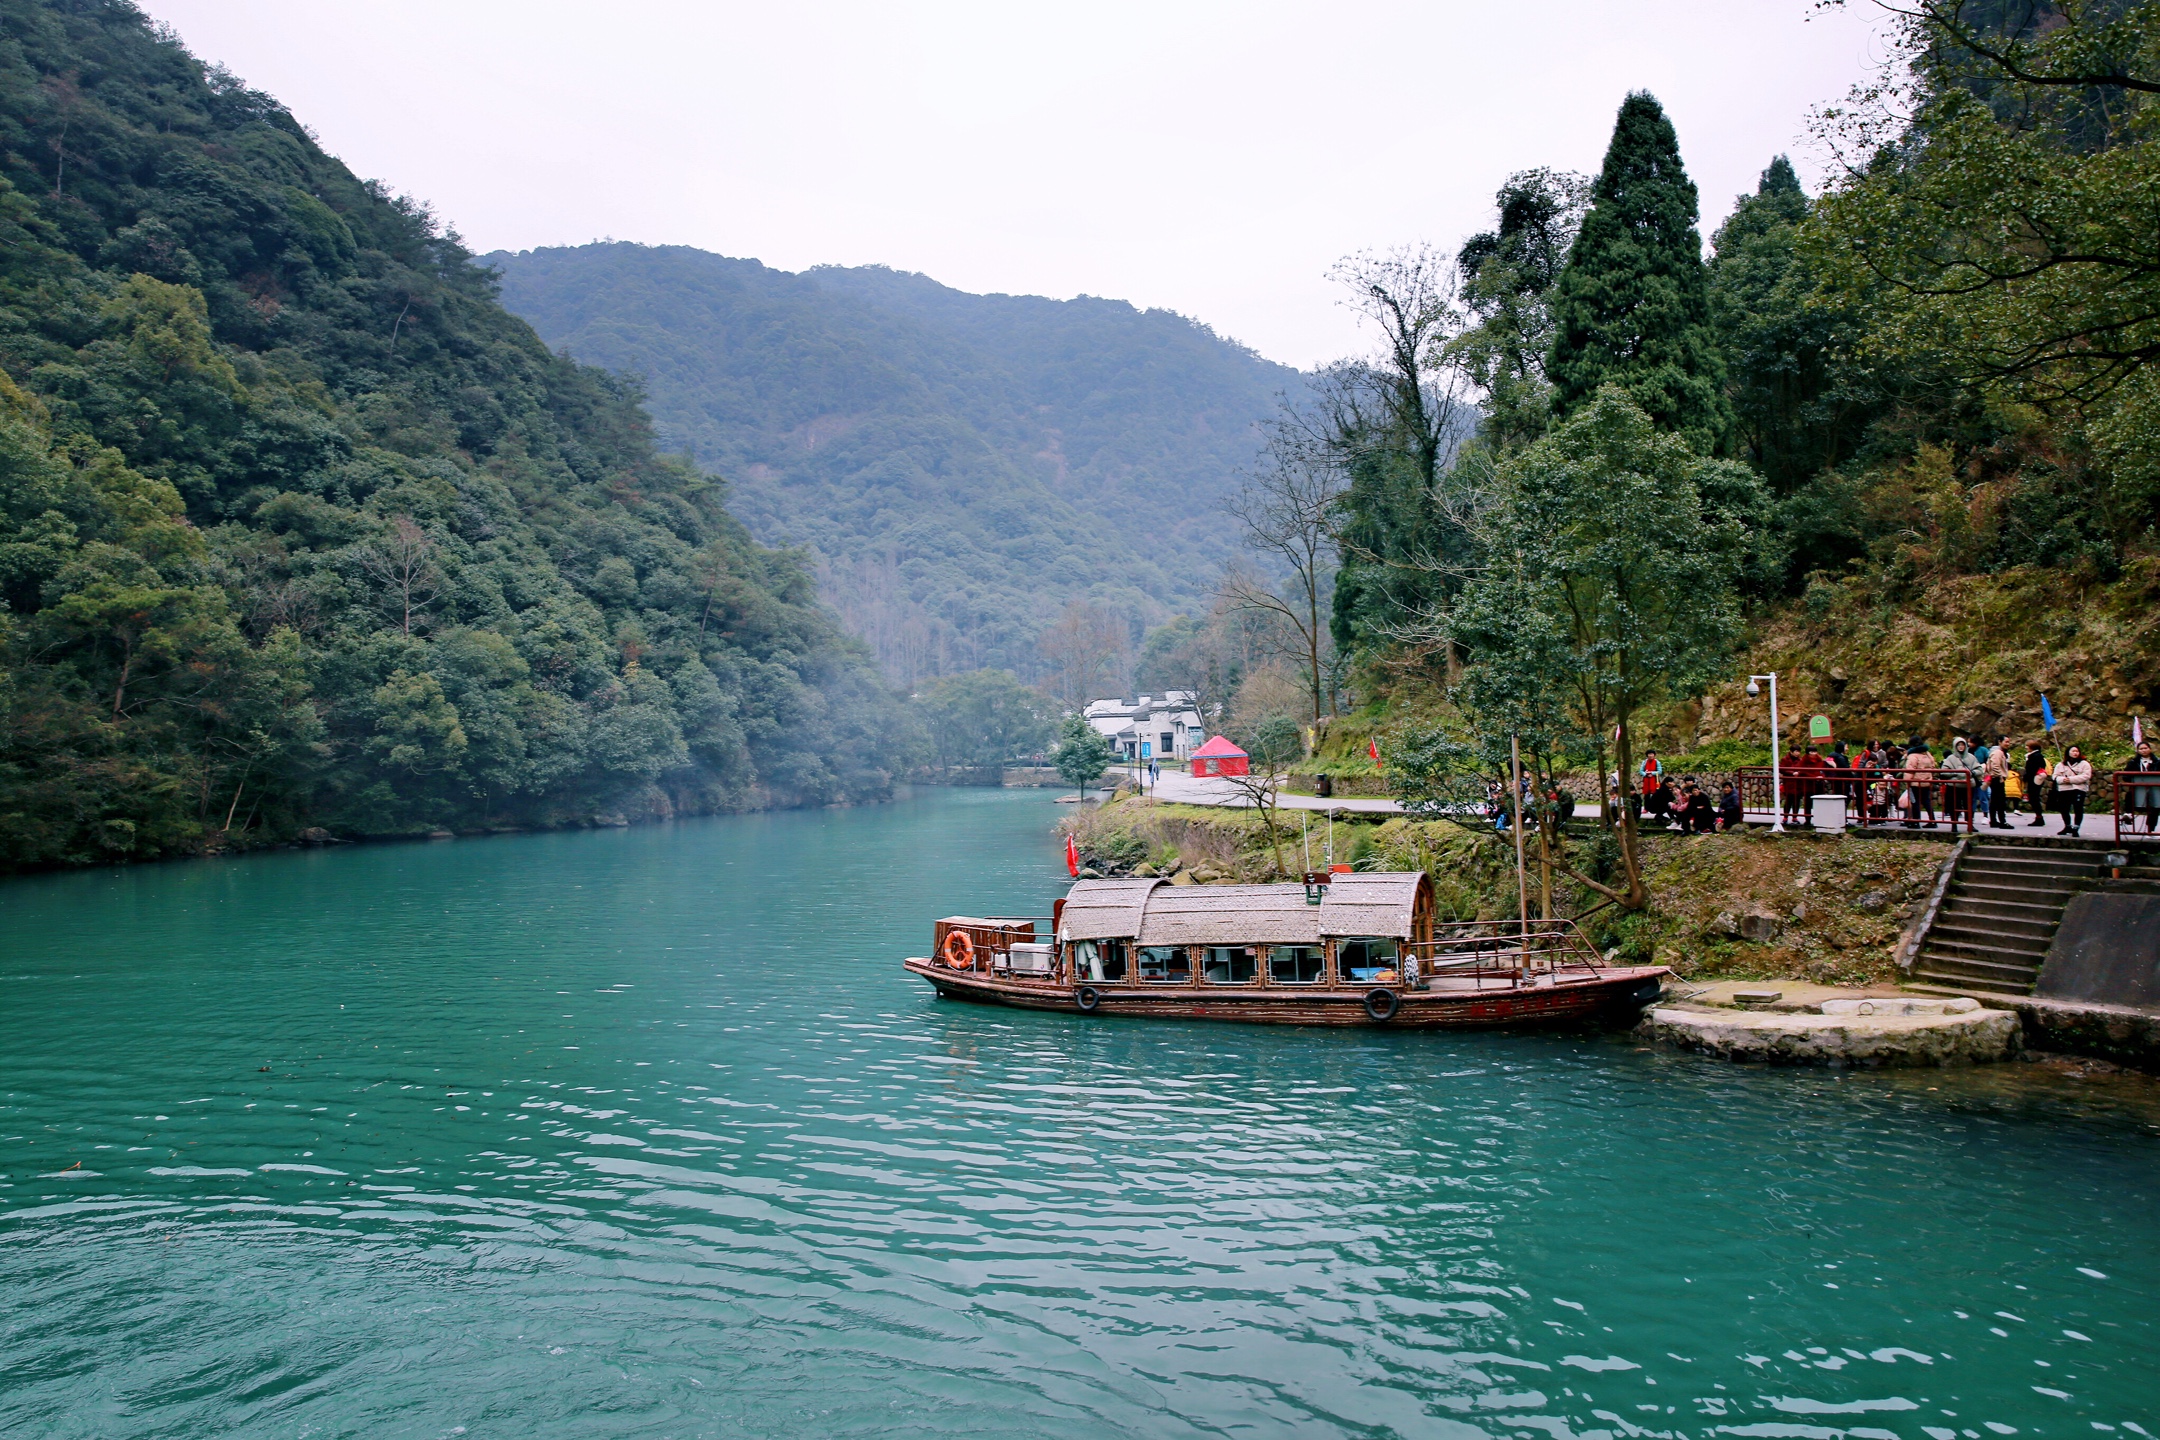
{"points": [[2007, 232]]}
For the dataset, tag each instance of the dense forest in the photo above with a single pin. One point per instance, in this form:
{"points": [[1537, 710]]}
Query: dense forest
{"points": [[963, 466], [1899, 441], [300, 528]]}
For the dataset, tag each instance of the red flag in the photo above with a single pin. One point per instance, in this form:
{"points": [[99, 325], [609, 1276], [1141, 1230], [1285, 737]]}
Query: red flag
{"points": [[1372, 748], [1072, 857]]}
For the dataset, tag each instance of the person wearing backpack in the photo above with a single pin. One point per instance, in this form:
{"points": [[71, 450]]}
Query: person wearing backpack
{"points": [[1995, 775], [1961, 776]]}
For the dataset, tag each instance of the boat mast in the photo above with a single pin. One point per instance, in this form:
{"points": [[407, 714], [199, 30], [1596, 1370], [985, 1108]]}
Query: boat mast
{"points": [[1522, 884]]}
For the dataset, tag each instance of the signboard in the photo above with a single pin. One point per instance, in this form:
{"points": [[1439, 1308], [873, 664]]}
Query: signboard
{"points": [[1818, 727], [1147, 748]]}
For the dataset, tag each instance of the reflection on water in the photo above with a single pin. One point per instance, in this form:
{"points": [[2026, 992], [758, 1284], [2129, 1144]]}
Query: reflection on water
{"points": [[644, 1133]]}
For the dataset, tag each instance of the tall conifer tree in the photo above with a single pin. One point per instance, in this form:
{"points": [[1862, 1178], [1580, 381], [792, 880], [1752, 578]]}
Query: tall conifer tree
{"points": [[1633, 307]]}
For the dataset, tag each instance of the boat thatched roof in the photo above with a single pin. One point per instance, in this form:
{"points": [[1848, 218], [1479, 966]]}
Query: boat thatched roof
{"points": [[1154, 913], [1374, 903], [1230, 915], [1105, 909]]}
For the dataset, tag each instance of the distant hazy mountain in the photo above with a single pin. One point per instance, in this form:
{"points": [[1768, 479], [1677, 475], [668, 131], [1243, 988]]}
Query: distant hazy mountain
{"points": [[962, 465]]}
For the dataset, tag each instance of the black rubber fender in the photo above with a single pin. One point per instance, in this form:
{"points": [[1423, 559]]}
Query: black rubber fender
{"points": [[1382, 1004], [1087, 997]]}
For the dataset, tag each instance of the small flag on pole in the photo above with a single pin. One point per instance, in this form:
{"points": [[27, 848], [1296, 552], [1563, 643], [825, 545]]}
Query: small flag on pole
{"points": [[1072, 857], [2047, 713], [1372, 748]]}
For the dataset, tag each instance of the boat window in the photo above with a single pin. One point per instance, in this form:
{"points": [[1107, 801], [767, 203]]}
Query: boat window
{"points": [[1364, 959], [1230, 964], [1165, 964], [1099, 959], [1295, 964]]}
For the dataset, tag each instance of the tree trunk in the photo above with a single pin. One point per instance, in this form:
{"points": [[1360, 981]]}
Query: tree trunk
{"points": [[1631, 862], [1545, 859], [127, 663]]}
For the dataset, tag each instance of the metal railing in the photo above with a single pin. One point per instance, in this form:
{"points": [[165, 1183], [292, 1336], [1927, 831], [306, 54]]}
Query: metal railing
{"points": [[1501, 950], [2134, 795], [990, 939], [1874, 795]]}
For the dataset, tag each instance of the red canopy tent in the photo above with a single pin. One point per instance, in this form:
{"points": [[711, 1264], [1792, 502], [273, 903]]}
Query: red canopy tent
{"points": [[1220, 757]]}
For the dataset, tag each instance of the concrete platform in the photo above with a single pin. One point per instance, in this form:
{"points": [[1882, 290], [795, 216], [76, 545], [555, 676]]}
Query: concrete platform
{"points": [[1829, 1026]]}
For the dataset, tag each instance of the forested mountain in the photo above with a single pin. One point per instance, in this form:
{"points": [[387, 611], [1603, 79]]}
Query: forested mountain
{"points": [[298, 526], [962, 465]]}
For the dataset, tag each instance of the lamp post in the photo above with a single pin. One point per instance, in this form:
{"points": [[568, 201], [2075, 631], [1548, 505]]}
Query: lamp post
{"points": [[1777, 789]]}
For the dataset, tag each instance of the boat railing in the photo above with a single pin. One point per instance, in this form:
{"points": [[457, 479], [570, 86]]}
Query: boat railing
{"points": [[1493, 949], [990, 940]]}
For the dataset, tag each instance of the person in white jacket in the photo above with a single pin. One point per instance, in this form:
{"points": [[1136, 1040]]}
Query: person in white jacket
{"points": [[2073, 779]]}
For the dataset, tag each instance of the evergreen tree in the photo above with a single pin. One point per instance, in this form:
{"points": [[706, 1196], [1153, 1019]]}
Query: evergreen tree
{"points": [[1508, 274], [1800, 405], [1632, 308]]}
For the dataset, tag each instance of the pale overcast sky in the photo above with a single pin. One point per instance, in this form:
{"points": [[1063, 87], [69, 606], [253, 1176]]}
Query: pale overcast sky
{"points": [[1211, 158]]}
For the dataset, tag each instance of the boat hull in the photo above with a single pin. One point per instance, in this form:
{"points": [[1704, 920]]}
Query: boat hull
{"points": [[1607, 994]]}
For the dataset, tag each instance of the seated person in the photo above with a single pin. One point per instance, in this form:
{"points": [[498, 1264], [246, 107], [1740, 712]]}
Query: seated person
{"points": [[1657, 803], [1728, 810], [1362, 961], [1698, 816]]}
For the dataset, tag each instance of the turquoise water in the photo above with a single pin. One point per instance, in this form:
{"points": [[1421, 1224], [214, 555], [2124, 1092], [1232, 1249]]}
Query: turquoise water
{"points": [[645, 1133]]}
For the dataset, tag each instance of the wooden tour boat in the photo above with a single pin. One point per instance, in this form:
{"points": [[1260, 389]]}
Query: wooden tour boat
{"points": [[1338, 949]]}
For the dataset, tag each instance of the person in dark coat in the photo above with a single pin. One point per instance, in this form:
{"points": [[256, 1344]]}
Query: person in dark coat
{"points": [[2145, 799], [2029, 776], [1729, 808]]}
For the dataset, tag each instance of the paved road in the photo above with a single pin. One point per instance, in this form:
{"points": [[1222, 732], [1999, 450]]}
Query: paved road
{"points": [[1179, 788]]}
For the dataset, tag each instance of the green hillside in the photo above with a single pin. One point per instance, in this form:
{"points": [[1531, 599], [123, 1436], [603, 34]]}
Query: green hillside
{"points": [[298, 526], [962, 465]]}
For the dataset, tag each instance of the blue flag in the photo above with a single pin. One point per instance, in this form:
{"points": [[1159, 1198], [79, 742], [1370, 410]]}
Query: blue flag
{"points": [[2047, 713]]}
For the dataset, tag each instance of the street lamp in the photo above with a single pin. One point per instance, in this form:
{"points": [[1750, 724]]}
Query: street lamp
{"points": [[1777, 789]]}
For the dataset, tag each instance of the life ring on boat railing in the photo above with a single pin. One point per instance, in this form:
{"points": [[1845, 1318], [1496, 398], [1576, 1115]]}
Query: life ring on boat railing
{"points": [[959, 950], [1087, 997], [1382, 1004]]}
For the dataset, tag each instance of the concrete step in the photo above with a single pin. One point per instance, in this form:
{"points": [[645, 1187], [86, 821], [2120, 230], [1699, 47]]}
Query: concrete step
{"points": [[1961, 984], [1982, 953], [1931, 988], [2009, 891], [1992, 966], [2045, 882], [2024, 850], [1965, 918], [1982, 941], [1967, 903], [2039, 870]]}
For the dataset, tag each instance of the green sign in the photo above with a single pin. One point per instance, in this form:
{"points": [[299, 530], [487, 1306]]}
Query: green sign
{"points": [[1818, 727]]}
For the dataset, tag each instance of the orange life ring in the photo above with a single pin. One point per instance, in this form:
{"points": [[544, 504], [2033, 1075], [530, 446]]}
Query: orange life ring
{"points": [[959, 950]]}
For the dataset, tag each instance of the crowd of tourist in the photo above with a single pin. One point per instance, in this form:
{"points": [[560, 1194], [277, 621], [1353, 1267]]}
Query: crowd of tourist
{"points": [[1884, 783], [1888, 783]]}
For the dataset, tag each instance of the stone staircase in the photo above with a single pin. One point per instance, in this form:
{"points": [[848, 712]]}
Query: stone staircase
{"points": [[2000, 911]]}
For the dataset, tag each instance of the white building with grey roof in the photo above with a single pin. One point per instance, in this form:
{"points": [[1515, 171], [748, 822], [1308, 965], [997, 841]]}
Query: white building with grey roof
{"points": [[1165, 727]]}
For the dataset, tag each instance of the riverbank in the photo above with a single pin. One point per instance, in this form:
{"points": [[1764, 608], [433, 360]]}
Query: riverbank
{"points": [[1742, 906]]}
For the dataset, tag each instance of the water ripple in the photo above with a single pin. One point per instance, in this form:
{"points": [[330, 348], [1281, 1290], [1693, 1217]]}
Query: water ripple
{"points": [[643, 1134]]}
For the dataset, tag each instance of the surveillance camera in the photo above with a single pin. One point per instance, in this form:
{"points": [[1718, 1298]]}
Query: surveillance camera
{"points": [[1753, 688]]}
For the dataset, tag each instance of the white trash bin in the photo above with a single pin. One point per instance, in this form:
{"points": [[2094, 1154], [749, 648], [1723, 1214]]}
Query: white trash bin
{"points": [[1828, 812]]}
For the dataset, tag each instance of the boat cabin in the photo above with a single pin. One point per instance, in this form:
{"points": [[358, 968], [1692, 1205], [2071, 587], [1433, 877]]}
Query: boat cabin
{"points": [[1356, 930], [1339, 949]]}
